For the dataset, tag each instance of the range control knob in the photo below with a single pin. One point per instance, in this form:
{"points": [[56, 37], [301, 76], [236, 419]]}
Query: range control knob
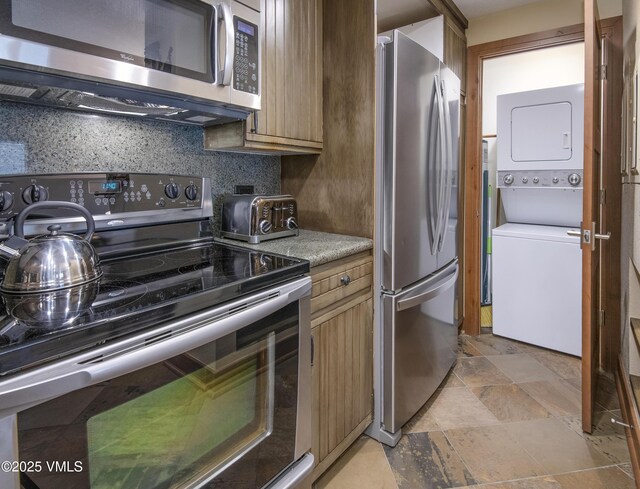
{"points": [[574, 179], [525, 180], [34, 193], [6, 200], [172, 190], [508, 179], [191, 192], [536, 180], [291, 223], [265, 226], [555, 180]]}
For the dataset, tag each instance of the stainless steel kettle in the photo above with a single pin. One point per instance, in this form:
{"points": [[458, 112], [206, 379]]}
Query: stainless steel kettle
{"points": [[50, 261]]}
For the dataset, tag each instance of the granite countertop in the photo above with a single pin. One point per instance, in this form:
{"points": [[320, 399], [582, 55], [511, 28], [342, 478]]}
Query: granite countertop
{"points": [[314, 246]]}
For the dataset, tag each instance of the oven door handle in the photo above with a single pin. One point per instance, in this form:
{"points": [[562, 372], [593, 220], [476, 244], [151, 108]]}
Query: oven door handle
{"points": [[31, 389]]}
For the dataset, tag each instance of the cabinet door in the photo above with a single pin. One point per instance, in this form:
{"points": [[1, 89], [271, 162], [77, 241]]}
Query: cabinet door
{"points": [[455, 52], [342, 378], [291, 72]]}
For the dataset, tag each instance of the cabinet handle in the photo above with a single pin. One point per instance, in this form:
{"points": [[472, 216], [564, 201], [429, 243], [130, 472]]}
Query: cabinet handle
{"points": [[313, 349], [345, 280], [255, 122]]}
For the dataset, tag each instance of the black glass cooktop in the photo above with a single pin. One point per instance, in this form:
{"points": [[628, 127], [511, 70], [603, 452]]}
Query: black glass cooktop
{"points": [[134, 293]]}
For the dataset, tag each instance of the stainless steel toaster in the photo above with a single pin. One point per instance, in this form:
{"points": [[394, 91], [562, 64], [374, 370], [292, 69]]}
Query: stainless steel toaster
{"points": [[256, 218]]}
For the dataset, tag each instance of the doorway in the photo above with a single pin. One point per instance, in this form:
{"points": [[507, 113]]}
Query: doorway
{"points": [[609, 339], [538, 69]]}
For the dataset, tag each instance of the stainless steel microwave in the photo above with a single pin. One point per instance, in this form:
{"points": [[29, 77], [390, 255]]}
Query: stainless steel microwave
{"points": [[193, 61]]}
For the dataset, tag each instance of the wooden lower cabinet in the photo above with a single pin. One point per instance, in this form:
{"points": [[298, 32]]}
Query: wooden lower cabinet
{"points": [[342, 369]]}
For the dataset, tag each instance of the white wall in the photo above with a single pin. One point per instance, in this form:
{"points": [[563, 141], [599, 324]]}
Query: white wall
{"points": [[534, 17], [543, 68]]}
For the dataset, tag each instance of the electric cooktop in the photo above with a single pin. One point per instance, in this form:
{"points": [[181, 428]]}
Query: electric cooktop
{"points": [[135, 293]]}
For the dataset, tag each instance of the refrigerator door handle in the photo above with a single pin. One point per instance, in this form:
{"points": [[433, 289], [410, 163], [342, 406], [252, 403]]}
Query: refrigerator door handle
{"points": [[432, 166], [443, 162], [448, 166], [429, 294]]}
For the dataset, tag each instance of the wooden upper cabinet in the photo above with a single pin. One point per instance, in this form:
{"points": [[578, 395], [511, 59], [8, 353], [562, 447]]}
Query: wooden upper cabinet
{"points": [[455, 52], [290, 121]]}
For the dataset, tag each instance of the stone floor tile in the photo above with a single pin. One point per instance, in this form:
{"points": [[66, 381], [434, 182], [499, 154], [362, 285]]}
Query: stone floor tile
{"points": [[363, 465], [457, 408], [557, 447], [426, 460], [466, 348], [576, 383], [478, 371], [451, 380], [558, 396], [563, 365], [608, 437], [605, 478], [492, 454], [627, 468], [547, 482], [489, 344], [522, 368], [510, 403]]}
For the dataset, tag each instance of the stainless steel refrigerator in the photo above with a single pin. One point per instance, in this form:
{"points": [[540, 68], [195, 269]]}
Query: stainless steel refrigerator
{"points": [[416, 264]]}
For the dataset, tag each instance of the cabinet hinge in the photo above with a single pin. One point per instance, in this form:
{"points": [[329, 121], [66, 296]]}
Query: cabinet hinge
{"points": [[603, 196], [603, 72], [601, 318]]}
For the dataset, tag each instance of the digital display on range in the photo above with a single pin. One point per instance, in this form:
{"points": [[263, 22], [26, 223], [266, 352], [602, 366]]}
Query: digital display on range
{"points": [[246, 28], [105, 187]]}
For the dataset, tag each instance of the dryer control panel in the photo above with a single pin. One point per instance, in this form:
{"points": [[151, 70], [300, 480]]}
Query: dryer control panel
{"points": [[571, 179]]}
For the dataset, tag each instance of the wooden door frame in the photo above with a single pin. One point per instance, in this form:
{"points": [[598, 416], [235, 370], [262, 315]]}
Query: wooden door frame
{"points": [[612, 29]]}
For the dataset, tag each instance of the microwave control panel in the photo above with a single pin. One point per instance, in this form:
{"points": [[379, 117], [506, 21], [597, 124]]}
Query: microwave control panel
{"points": [[246, 65]]}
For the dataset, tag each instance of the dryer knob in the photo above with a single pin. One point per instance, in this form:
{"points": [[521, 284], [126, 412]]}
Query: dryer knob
{"points": [[574, 179], [536, 180], [525, 180], [508, 179], [555, 180]]}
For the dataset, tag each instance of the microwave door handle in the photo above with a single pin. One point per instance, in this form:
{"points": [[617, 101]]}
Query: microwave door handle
{"points": [[214, 45], [224, 77], [74, 376]]}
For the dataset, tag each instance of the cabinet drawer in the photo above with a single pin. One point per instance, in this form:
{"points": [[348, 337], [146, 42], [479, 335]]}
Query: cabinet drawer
{"points": [[340, 280]]}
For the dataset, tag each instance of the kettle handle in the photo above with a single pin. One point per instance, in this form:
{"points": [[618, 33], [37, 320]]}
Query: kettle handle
{"points": [[18, 228]]}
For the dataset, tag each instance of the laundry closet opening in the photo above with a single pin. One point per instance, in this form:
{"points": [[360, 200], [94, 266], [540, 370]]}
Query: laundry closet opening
{"points": [[532, 125]]}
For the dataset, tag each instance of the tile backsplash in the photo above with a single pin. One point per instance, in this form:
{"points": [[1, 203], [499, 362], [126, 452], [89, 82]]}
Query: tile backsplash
{"points": [[43, 140]]}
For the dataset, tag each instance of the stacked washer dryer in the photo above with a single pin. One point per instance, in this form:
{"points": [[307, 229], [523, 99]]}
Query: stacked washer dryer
{"points": [[537, 265]]}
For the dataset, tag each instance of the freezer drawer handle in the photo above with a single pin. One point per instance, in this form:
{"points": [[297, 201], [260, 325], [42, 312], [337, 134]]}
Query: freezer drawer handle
{"points": [[345, 280], [403, 304]]}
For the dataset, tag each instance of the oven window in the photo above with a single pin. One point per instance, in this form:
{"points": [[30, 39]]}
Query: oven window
{"points": [[212, 413]]}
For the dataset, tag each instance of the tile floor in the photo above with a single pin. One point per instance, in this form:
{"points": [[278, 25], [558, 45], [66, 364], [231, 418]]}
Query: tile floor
{"points": [[506, 417]]}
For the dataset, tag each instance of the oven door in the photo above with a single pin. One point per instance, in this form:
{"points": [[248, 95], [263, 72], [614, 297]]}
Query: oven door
{"points": [[221, 401]]}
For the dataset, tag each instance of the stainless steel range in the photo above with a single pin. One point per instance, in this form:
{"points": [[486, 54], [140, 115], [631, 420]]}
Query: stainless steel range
{"points": [[186, 364]]}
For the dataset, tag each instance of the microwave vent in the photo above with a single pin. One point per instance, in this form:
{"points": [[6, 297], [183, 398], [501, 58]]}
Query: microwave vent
{"points": [[16, 91], [90, 101]]}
